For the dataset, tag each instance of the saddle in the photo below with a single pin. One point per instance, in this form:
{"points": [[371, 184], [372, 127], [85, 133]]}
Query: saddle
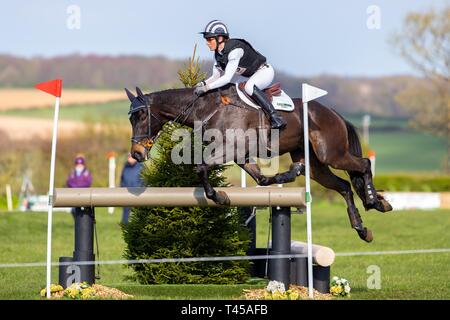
{"points": [[273, 90]]}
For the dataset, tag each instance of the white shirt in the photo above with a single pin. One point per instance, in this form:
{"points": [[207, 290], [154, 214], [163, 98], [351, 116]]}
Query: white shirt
{"points": [[219, 77]]}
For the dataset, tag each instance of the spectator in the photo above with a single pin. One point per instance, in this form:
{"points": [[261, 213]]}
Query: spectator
{"points": [[130, 177], [79, 177]]}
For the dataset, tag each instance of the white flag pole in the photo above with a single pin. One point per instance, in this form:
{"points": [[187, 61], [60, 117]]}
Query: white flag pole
{"points": [[50, 197], [308, 198], [308, 93]]}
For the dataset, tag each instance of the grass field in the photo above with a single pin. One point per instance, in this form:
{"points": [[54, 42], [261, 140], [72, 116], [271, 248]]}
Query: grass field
{"points": [[408, 276], [114, 110], [30, 98], [408, 151]]}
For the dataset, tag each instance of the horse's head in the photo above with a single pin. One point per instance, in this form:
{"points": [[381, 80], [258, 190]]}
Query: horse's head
{"points": [[144, 130]]}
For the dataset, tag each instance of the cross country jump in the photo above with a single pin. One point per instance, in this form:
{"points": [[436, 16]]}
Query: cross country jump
{"points": [[334, 142]]}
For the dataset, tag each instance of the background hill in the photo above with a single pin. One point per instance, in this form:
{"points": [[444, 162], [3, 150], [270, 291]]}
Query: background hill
{"points": [[346, 94]]}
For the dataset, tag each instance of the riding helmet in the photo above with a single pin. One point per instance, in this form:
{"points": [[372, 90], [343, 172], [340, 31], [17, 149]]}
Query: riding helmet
{"points": [[215, 28]]}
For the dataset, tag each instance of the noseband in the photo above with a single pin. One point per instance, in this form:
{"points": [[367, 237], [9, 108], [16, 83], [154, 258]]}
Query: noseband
{"points": [[146, 140]]}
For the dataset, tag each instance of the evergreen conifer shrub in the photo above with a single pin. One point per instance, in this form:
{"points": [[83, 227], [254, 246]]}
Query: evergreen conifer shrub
{"points": [[175, 232]]}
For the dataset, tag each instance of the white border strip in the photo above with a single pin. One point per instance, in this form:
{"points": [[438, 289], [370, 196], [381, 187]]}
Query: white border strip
{"points": [[226, 258]]}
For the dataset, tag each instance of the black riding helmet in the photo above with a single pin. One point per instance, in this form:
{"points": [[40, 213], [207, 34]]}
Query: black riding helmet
{"points": [[214, 29]]}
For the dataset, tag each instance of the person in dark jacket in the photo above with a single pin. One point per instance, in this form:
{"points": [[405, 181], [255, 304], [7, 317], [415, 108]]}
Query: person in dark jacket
{"points": [[130, 177]]}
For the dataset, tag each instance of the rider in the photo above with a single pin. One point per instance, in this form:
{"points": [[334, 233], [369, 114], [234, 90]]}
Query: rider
{"points": [[237, 56]]}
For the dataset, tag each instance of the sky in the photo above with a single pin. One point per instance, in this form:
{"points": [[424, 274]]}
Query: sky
{"points": [[301, 38]]}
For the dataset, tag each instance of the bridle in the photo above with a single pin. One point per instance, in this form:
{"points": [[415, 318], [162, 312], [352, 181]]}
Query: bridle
{"points": [[146, 140]]}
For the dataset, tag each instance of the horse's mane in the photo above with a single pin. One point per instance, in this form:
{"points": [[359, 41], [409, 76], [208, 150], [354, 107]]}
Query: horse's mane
{"points": [[168, 95]]}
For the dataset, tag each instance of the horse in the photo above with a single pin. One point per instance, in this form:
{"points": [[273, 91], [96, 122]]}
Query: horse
{"points": [[334, 142]]}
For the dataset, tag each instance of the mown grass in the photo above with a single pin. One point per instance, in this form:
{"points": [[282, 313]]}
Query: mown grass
{"points": [[408, 276], [408, 151]]}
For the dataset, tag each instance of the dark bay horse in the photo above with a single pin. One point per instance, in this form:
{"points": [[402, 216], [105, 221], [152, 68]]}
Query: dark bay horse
{"points": [[334, 142]]}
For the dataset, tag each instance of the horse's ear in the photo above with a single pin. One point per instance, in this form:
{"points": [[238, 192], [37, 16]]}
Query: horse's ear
{"points": [[139, 93], [130, 95]]}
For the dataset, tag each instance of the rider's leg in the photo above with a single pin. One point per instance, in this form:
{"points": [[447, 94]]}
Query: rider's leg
{"points": [[260, 80]]}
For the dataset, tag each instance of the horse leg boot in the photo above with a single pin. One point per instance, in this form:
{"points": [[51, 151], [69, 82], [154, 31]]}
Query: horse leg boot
{"points": [[218, 197], [355, 219], [373, 199], [276, 121], [295, 170]]}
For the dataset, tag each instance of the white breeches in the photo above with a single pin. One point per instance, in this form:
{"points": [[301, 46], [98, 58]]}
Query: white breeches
{"points": [[262, 78]]}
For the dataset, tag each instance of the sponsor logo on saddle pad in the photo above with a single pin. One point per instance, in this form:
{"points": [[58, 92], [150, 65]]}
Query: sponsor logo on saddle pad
{"points": [[281, 102]]}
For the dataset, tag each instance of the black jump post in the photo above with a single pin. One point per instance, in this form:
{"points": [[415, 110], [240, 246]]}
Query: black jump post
{"points": [[279, 269], [84, 250], [286, 270]]}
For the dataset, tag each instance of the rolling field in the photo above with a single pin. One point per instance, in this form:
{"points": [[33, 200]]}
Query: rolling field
{"points": [[31, 109], [114, 110], [31, 98], [407, 276]]}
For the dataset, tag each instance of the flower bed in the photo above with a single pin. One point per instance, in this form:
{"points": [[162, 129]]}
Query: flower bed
{"points": [[84, 291]]}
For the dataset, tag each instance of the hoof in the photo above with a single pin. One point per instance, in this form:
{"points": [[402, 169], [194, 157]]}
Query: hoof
{"points": [[264, 181], [298, 168], [382, 205], [369, 235], [365, 234], [222, 198]]}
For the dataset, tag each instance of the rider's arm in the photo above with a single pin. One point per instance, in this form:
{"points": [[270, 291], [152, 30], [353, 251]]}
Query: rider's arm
{"points": [[233, 63], [216, 73]]}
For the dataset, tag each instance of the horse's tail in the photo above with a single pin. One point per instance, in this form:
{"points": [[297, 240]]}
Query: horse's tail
{"points": [[355, 149]]}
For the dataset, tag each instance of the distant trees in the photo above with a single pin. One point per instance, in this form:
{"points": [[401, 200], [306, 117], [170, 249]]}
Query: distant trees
{"points": [[424, 42]]}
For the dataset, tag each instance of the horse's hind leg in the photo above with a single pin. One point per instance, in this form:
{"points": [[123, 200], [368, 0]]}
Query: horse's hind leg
{"points": [[295, 170], [360, 173], [363, 185], [323, 175]]}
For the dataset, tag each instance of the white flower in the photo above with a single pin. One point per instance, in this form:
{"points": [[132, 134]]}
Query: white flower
{"points": [[335, 278], [274, 286], [347, 289], [338, 282]]}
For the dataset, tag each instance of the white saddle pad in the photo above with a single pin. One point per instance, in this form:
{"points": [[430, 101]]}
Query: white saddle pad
{"points": [[282, 102]]}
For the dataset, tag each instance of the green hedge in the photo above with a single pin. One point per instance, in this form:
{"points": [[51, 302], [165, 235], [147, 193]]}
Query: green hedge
{"points": [[429, 183]]}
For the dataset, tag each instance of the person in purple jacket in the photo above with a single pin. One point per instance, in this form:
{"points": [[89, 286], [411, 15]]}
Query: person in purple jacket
{"points": [[79, 177]]}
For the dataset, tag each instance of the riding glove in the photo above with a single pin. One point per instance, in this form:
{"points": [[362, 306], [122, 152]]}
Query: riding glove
{"points": [[199, 91]]}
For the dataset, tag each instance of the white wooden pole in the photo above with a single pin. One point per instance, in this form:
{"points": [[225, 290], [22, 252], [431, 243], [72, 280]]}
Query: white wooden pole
{"points": [[9, 197], [372, 162], [112, 175], [243, 178], [50, 197]]}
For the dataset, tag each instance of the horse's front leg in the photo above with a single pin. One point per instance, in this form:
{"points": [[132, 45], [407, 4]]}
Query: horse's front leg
{"points": [[218, 197]]}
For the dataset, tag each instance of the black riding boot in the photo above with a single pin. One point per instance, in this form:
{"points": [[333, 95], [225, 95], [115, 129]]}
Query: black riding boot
{"points": [[276, 121]]}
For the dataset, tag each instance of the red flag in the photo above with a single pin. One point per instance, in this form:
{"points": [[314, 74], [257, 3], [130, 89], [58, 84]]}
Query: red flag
{"points": [[54, 87]]}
